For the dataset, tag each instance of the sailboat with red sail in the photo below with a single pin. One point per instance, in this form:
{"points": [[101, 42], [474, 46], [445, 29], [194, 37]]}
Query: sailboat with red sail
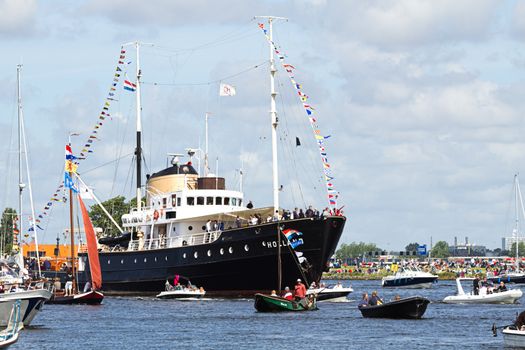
{"points": [[70, 294]]}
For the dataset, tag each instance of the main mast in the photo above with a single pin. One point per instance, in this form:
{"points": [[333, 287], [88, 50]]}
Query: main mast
{"points": [[274, 120], [517, 223], [138, 149]]}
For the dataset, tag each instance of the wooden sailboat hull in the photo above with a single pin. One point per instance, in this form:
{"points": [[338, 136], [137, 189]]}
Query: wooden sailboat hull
{"points": [[268, 303], [91, 298]]}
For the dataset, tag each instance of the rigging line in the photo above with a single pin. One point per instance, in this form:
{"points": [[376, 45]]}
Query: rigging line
{"points": [[226, 36], [211, 81], [107, 163]]}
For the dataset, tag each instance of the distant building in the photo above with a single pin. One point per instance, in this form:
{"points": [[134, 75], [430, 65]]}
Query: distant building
{"points": [[507, 242], [467, 249]]}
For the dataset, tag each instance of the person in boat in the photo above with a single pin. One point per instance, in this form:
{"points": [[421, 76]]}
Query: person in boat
{"points": [[313, 285], [287, 294], [475, 285], [300, 290], [238, 222], [168, 286], [364, 300], [375, 299], [502, 287], [274, 293], [520, 321], [69, 284]]}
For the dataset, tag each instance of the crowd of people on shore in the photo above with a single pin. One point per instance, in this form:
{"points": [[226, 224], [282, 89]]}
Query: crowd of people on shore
{"points": [[490, 267]]}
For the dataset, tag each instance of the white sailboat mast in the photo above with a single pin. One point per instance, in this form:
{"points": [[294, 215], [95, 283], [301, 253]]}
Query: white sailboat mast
{"points": [[274, 120], [21, 184], [516, 227]]}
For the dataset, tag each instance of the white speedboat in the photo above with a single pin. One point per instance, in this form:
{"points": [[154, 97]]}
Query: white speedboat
{"points": [[336, 293], [409, 277], [513, 338], [507, 297], [181, 292]]}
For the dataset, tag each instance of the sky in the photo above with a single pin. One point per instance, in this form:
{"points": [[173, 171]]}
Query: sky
{"points": [[422, 101]]}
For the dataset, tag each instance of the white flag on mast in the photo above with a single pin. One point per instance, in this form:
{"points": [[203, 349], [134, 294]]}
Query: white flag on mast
{"points": [[226, 90]]}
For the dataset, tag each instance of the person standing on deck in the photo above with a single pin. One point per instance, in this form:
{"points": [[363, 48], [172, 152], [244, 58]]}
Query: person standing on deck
{"points": [[300, 290], [475, 285]]}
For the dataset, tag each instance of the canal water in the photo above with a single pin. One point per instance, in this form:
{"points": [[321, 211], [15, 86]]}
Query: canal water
{"points": [[148, 323]]}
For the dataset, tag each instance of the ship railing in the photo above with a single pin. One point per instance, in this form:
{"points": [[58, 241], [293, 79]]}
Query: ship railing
{"points": [[175, 242]]}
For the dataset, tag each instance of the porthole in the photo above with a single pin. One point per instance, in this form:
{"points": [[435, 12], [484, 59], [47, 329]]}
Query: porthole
{"points": [[222, 251], [122, 261], [166, 258], [203, 227], [145, 259], [109, 262], [263, 243], [195, 255], [184, 255], [155, 259], [246, 247], [209, 252], [230, 250], [190, 228], [135, 261]]}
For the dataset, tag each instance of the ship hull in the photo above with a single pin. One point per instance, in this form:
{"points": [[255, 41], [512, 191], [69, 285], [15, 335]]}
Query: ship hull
{"points": [[242, 261]]}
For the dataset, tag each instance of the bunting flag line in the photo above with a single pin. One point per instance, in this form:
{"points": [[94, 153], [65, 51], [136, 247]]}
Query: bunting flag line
{"points": [[72, 161], [332, 194]]}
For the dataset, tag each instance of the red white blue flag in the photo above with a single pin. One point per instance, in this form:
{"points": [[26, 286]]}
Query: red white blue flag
{"points": [[128, 85]]}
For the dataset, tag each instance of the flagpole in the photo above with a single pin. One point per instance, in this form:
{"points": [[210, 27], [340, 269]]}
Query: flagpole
{"points": [[138, 150]]}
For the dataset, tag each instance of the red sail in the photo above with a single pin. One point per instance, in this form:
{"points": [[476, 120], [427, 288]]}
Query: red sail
{"points": [[94, 263]]}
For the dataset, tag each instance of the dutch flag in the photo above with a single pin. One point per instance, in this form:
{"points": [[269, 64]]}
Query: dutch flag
{"points": [[128, 85]]}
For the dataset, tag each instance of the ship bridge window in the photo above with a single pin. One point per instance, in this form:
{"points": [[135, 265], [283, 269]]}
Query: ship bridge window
{"points": [[178, 202], [200, 200], [209, 200], [171, 215], [234, 201], [240, 202], [226, 201], [164, 202], [190, 201], [173, 200], [218, 200]]}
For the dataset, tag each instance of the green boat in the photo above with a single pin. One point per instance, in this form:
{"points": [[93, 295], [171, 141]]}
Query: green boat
{"points": [[268, 303]]}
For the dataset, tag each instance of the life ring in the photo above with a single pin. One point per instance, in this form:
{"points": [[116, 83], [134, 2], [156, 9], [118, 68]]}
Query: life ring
{"points": [[155, 215]]}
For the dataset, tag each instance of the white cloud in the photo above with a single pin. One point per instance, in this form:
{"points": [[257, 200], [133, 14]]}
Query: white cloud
{"points": [[17, 17]]}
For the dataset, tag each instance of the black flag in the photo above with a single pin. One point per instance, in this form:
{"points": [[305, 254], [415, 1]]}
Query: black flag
{"points": [[297, 142]]}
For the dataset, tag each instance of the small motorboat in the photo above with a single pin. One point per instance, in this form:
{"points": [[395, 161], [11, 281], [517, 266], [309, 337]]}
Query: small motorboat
{"points": [[511, 277], [336, 293], [181, 292], [409, 277], [484, 297], [189, 292], [270, 303], [411, 308], [9, 335], [513, 338]]}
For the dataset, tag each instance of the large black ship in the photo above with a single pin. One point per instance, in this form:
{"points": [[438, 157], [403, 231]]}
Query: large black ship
{"points": [[230, 252], [191, 225]]}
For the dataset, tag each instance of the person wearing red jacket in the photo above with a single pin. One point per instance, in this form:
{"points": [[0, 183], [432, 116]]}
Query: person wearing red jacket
{"points": [[300, 290]]}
